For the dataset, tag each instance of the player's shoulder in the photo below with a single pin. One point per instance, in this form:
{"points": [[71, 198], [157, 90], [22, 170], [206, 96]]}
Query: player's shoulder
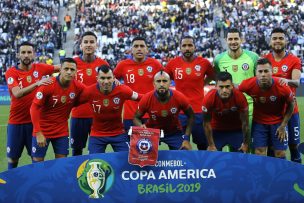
{"points": [[248, 83], [12, 70], [221, 55], [251, 54], [291, 56], [211, 93], [99, 61]]}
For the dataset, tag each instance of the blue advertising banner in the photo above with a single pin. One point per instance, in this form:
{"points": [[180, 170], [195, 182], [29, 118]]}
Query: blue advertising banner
{"points": [[178, 176], [4, 95]]}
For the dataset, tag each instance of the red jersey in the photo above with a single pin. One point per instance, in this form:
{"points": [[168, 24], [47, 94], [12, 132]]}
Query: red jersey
{"points": [[268, 105], [86, 74], [164, 116], [225, 115], [189, 78], [55, 105], [107, 120], [139, 77], [284, 68], [20, 107]]}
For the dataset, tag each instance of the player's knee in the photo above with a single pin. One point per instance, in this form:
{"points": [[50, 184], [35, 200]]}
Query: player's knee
{"points": [[279, 153], [11, 160], [58, 156], [293, 146], [38, 159], [260, 151]]}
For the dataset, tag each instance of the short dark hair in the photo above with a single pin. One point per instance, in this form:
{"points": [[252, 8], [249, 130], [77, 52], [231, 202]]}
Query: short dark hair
{"points": [[88, 33], [263, 61], [223, 76], [233, 30], [69, 60], [187, 37], [279, 30], [139, 38], [26, 43], [104, 69]]}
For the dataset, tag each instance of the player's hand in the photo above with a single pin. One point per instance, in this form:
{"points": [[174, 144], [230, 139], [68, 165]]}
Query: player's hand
{"points": [[116, 82], [186, 145], [244, 147], [45, 81], [41, 141], [211, 148], [283, 81], [143, 126], [281, 133]]}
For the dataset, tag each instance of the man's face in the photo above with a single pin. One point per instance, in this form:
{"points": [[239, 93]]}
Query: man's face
{"points": [[26, 55], [162, 84], [139, 50], [105, 80], [88, 44], [278, 42], [264, 75], [233, 41], [68, 71], [224, 88], [187, 47]]}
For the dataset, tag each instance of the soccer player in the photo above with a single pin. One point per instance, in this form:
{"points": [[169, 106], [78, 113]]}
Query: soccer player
{"points": [[287, 66], [273, 107], [107, 100], [22, 81], [163, 106], [240, 63], [189, 73], [50, 112], [225, 111], [87, 65], [137, 73]]}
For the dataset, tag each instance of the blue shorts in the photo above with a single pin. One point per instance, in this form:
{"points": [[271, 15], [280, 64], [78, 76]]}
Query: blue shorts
{"points": [[18, 136], [174, 141], [294, 129], [60, 146], [99, 144], [80, 129], [198, 133], [232, 138], [264, 135]]}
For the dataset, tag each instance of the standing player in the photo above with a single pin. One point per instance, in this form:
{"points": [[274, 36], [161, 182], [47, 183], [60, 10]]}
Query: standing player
{"points": [[50, 112], [22, 81], [240, 63], [273, 107], [189, 72], [163, 106], [82, 115], [107, 101], [287, 66], [225, 112], [137, 73]]}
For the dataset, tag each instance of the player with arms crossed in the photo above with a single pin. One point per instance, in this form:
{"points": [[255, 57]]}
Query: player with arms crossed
{"points": [[163, 106]]}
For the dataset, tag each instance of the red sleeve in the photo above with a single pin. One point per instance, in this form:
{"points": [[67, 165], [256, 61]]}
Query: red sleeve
{"points": [[83, 93], [142, 105], [11, 79], [297, 65], [168, 69], [206, 106], [242, 101], [242, 86], [118, 70], [183, 101], [42, 94], [210, 70], [35, 116], [287, 93]]}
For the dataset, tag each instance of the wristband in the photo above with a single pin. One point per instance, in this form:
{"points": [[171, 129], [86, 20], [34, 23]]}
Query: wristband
{"points": [[186, 137]]}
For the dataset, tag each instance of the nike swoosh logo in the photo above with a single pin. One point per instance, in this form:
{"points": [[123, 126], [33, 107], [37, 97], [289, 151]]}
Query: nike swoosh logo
{"points": [[129, 70], [20, 78], [95, 100]]}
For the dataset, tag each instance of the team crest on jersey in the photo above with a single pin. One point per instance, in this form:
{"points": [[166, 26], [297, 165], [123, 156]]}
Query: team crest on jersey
{"points": [[262, 99], [105, 102], [72, 95], [234, 108], [164, 113], [234, 68], [144, 146], [197, 68], [39, 95], [63, 99], [204, 109], [116, 100], [29, 79], [188, 71], [275, 70], [173, 110], [273, 98], [140, 72], [245, 66], [10, 80], [149, 69], [284, 68], [35, 74], [89, 71]]}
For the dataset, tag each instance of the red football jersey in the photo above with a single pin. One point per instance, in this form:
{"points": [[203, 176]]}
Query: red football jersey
{"points": [[107, 120], [269, 105], [87, 75], [164, 116], [139, 77], [284, 68], [189, 78], [225, 115], [20, 107], [56, 104]]}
